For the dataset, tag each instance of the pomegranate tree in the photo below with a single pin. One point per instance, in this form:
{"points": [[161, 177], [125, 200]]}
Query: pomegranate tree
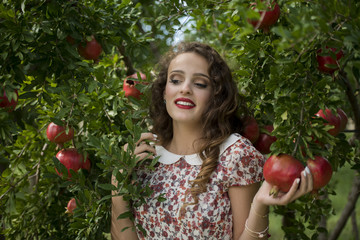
{"points": [[267, 18], [72, 159], [129, 85], [321, 171], [71, 206], [265, 140], [57, 134], [281, 171], [326, 62]]}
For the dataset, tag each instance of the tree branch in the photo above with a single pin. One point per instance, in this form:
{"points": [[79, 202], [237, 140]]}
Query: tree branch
{"points": [[354, 225], [349, 208], [127, 61]]}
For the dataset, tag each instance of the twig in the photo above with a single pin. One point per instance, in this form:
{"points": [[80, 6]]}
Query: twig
{"points": [[18, 181], [299, 134]]}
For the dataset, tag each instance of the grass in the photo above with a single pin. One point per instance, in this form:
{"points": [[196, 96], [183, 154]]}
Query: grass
{"points": [[342, 182]]}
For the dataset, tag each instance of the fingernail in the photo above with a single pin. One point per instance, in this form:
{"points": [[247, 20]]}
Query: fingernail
{"points": [[304, 173], [155, 136], [297, 180], [307, 170]]}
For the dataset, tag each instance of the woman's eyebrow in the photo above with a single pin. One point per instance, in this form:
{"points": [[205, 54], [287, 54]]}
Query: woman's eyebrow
{"points": [[196, 74], [203, 75]]}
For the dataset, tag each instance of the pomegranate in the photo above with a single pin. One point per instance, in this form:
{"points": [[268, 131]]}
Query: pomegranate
{"points": [[129, 85], [265, 140], [268, 18], [343, 119], [91, 51], [70, 40], [251, 129], [6, 103], [86, 165], [57, 134], [332, 119], [71, 159], [281, 171], [321, 171], [324, 60], [71, 206]]}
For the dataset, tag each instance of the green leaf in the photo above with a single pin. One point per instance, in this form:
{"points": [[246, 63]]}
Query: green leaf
{"points": [[108, 187]]}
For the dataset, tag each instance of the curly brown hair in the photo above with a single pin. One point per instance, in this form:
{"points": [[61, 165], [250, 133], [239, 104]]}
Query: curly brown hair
{"points": [[224, 114]]}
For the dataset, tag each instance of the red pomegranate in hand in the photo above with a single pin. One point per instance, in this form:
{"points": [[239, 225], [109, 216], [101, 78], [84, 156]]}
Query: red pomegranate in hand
{"points": [[265, 140], [281, 171], [267, 18], [251, 129], [71, 206], [332, 119], [129, 85], [321, 171], [71, 159], [91, 51], [57, 134], [6, 103], [327, 59]]}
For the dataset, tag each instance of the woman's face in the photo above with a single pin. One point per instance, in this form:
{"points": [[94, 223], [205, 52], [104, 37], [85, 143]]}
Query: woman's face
{"points": [[188, 88]]}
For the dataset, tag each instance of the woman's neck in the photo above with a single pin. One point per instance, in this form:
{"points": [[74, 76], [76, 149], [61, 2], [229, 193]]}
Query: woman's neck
{"points": [[185, 140]]}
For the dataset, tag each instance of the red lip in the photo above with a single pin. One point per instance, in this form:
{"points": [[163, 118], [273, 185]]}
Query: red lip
{"points": [[184, 106]]}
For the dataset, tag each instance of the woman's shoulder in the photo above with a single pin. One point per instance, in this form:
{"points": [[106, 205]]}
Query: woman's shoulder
{"points": [[235, 141], [238, 147], [239, 162]]}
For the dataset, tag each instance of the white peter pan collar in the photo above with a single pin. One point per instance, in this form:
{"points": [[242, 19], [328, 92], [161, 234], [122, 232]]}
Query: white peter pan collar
{"points": [[167, 157]]}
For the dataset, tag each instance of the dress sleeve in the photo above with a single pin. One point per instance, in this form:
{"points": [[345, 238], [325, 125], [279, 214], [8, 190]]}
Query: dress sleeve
{"points": [[242, 164]]}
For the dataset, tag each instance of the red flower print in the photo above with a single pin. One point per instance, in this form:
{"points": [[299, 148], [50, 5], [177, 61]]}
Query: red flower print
{"points": [[205, 224], [168, 218]]}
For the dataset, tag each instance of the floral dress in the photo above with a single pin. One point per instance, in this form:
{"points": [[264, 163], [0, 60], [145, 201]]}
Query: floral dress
{"points": [[239, 164]]}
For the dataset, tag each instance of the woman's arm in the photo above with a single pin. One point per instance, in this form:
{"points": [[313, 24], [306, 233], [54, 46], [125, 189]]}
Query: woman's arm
{"points": [[120, 206], [241, 201], [250, 205]]}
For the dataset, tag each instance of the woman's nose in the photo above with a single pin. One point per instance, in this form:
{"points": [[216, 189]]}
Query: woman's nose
{"points": [[186, 88]]}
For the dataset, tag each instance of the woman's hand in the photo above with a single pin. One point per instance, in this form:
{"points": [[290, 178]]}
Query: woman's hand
{"points": [[296, 191], [145, 146]]}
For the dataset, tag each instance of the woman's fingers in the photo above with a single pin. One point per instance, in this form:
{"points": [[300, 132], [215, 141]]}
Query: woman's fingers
{"points": [[146, 137], [144, 147], [306, 185]]}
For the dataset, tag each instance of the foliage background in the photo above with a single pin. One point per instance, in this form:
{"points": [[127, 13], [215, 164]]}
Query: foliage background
{"points": [[276, 73]]}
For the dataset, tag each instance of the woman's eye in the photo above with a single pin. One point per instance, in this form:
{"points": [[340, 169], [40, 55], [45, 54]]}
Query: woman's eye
{"points": [[174, 81], [201, 85]]}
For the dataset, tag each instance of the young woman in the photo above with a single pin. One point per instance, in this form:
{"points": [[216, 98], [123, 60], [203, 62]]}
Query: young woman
{"points": [[208, 173]]}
